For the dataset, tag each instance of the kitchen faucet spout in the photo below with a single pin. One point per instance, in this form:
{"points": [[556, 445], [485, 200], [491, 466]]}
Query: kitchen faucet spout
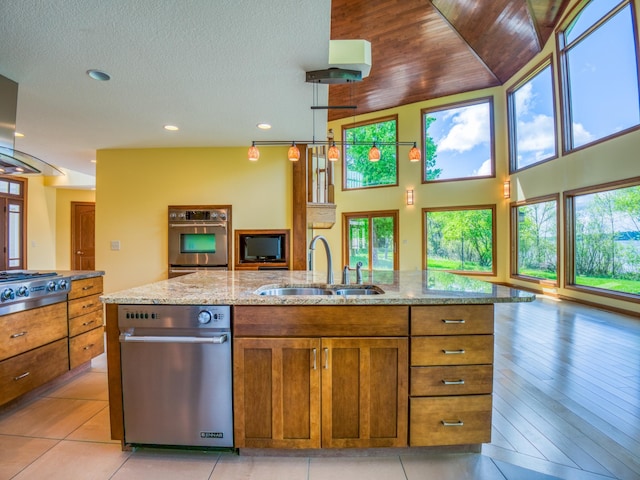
{"points": [[327, 250]]}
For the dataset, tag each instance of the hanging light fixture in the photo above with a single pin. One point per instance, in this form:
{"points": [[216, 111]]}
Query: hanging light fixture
{"points": [[374, 153], [294, 153], [414, 154], [254, 153], [333, 154]]}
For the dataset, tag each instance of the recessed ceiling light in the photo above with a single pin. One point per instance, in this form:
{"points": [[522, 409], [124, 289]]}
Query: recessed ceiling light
{"points": [[263, 126], [171, 128], [99, 75], [18, 134]]}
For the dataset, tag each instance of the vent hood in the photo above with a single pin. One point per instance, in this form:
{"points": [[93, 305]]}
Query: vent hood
{"points": [[12, 161]]}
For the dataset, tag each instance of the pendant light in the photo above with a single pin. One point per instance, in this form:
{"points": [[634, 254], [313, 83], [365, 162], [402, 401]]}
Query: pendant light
{"points": [[333, 154], [294, 153], [374, 153], [414, 154], [254, 153]]}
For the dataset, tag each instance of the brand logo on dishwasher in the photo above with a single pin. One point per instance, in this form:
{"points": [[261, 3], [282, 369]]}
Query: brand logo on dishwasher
{"points": [[211, 435]]}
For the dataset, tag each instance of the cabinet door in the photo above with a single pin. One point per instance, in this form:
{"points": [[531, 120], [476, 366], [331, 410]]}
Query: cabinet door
{"points": [[364, 392], [276, 392]]}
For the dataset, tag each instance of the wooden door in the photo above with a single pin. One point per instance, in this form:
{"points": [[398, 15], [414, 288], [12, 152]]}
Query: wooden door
{"points": [[276, 392], [83, 236], [364, 392]]}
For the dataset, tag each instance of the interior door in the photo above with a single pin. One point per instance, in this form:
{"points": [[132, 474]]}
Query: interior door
{"points": [[83, 236]]}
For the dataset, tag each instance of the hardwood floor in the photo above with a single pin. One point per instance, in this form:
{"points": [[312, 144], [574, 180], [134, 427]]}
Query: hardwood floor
{"points": [[567, 390]]}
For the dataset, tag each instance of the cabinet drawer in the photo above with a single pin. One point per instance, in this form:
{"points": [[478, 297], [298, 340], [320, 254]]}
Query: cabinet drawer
{"points": [[86, 346], [84, 323], [450, 420], [451, 380], [84, 305], [23, 373], [23, 331], [84, 287], [452, 350], [452, 320]]}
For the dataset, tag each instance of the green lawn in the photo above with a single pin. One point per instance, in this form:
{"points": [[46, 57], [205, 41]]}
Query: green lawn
{"points": [[447, 264], [608, 283]]}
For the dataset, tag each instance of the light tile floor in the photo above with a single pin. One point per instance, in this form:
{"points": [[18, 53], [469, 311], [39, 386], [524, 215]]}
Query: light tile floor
{"points": [[64, 434]]}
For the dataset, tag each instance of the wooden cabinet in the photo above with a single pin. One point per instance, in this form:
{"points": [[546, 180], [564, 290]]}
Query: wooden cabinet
{"points": [[33, 350], [316, 391], [86, 332], [451, 375]]}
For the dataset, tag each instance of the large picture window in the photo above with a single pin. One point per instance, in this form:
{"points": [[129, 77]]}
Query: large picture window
{"points": [[461, 239], [359, 171], [371, 238], [534, 229], [599, 69], [12, 227], [603, 239], [458, 141], [532, 126]]}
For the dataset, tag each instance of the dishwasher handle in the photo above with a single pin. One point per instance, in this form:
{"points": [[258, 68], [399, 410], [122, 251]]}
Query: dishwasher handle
{"points": [[167, 339]]}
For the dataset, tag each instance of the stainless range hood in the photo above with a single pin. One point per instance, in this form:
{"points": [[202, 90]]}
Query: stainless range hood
{"points": [[14, 162]]}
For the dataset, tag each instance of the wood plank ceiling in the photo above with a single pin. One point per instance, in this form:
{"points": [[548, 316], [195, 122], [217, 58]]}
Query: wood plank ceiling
{"points": [[424, 49]]}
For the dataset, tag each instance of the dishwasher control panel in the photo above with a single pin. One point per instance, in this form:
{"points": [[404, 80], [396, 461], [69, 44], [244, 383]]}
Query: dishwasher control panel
{"points": [[174, 316]]}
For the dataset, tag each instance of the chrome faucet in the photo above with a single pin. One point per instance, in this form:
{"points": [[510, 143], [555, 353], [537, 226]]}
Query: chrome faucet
{"points": [[312, 247], [359, 273], [345, 275]]}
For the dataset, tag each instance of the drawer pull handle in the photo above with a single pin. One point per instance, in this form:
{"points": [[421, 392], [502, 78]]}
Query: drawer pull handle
{"points": [[84, 324], [459, 423], [87, 347], [453, 352], [451, 320], [453, 382], [326, 359], [315, 354], [16, 335], [87, 288], [20, 377]]}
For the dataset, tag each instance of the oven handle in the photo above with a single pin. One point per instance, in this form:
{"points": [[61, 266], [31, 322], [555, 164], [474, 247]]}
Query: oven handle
{"points": [[177, 225], [160, 339]]}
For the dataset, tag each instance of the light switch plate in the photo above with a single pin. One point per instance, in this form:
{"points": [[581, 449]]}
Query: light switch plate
{"points": [[115, 244]]}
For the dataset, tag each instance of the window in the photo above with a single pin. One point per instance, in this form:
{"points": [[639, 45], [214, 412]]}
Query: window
{"points": [[532, 129], [599, 71], [460, 240], [12, 227], [534, 229], [603, 239], [359, 171], [370, 238], [458, 141]]}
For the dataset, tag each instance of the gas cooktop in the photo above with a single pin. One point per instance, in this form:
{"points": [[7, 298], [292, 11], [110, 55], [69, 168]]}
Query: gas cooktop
{"points": [[16, 275], [26, 289]]}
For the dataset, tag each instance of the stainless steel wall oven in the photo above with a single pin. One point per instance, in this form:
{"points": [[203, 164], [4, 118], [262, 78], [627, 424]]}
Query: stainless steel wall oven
{"points": [[198, 239]]}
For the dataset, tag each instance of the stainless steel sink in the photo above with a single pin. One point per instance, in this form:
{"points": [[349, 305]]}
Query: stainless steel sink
{"points": [[337, 290], [296, 291], [364, 290]]}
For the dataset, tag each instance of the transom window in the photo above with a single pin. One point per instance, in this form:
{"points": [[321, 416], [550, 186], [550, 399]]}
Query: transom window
{"points": [[359, 171], [599, 69], [458, 141], [532, 129]]}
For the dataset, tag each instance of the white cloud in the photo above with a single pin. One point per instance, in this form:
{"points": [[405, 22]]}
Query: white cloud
{"points": [[580, 134], [539, 134], [484, 170], [470, 128], [524, 98]]}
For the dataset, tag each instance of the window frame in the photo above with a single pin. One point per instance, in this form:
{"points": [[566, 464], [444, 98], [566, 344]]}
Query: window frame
{"points": [[20, 199], [512, 118], [570, 234], [346, 216], [364, 123], [493, 208], [448, 106], [566, 116], [514, 239]]}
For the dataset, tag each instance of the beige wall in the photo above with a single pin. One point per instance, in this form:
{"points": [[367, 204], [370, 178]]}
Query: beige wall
{"points": [[135, 187]]}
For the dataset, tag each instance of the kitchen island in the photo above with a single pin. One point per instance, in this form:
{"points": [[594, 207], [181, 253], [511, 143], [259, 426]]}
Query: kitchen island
{"points": [[408, 366]]}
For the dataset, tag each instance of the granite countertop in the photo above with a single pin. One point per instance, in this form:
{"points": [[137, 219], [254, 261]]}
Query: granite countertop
{"points": [[80, 274], [239, 288]]}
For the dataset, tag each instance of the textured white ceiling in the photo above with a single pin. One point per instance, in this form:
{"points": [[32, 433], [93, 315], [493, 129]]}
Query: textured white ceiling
{"points": [[215, 68]]}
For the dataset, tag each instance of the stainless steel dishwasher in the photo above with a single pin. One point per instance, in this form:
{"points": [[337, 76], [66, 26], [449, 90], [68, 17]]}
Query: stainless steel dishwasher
{"points": [[176, 374]]}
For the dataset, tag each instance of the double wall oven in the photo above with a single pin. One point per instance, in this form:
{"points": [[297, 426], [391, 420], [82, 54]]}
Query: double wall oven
{"points": [[198, 239]]}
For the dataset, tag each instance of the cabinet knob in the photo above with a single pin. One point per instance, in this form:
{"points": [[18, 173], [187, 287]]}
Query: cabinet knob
{"points": [[80, 252]]}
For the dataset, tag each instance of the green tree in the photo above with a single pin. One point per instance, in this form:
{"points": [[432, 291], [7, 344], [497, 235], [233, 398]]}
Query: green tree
{"points": [[430, 155], [360, 170]]}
